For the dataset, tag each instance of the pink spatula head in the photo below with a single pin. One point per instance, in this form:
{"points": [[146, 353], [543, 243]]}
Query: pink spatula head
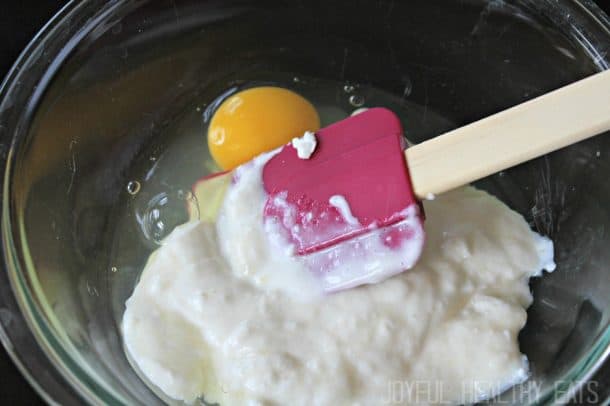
{"points": [[349, 210]]}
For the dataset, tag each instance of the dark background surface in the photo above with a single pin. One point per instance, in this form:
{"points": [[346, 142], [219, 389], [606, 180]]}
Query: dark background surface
{"points": [[19, 22]]}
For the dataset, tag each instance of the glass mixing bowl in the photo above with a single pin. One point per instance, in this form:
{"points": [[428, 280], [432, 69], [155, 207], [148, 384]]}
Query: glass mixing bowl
{"points": [[108, 86]]}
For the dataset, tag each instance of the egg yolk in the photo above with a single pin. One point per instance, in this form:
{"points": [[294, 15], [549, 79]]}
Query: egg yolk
{"points": [[257, 120]]}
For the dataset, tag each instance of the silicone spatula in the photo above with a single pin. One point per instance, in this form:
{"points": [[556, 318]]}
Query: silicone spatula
{"points": [[351, 210]]}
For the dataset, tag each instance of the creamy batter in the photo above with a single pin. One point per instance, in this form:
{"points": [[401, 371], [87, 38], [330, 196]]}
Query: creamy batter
{"points": [[343, 206], [305, 145], [221, 311]]}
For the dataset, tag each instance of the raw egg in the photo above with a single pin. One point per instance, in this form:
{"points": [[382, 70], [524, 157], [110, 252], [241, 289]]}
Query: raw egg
{"points": [[257, 120]]}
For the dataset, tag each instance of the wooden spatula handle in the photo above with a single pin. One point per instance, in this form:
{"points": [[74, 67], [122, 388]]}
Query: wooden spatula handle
{"points": [[526, 131]]}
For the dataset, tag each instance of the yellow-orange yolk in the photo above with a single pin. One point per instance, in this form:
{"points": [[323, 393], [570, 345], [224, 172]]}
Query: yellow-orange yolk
{"points": [[258, 120]]}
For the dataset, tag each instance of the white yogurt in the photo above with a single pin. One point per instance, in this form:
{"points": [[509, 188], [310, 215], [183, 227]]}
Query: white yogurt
{"points": [[342, 205], [365, 258], [253, 251], [305, 145], [223, 312], [358, 111]]}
